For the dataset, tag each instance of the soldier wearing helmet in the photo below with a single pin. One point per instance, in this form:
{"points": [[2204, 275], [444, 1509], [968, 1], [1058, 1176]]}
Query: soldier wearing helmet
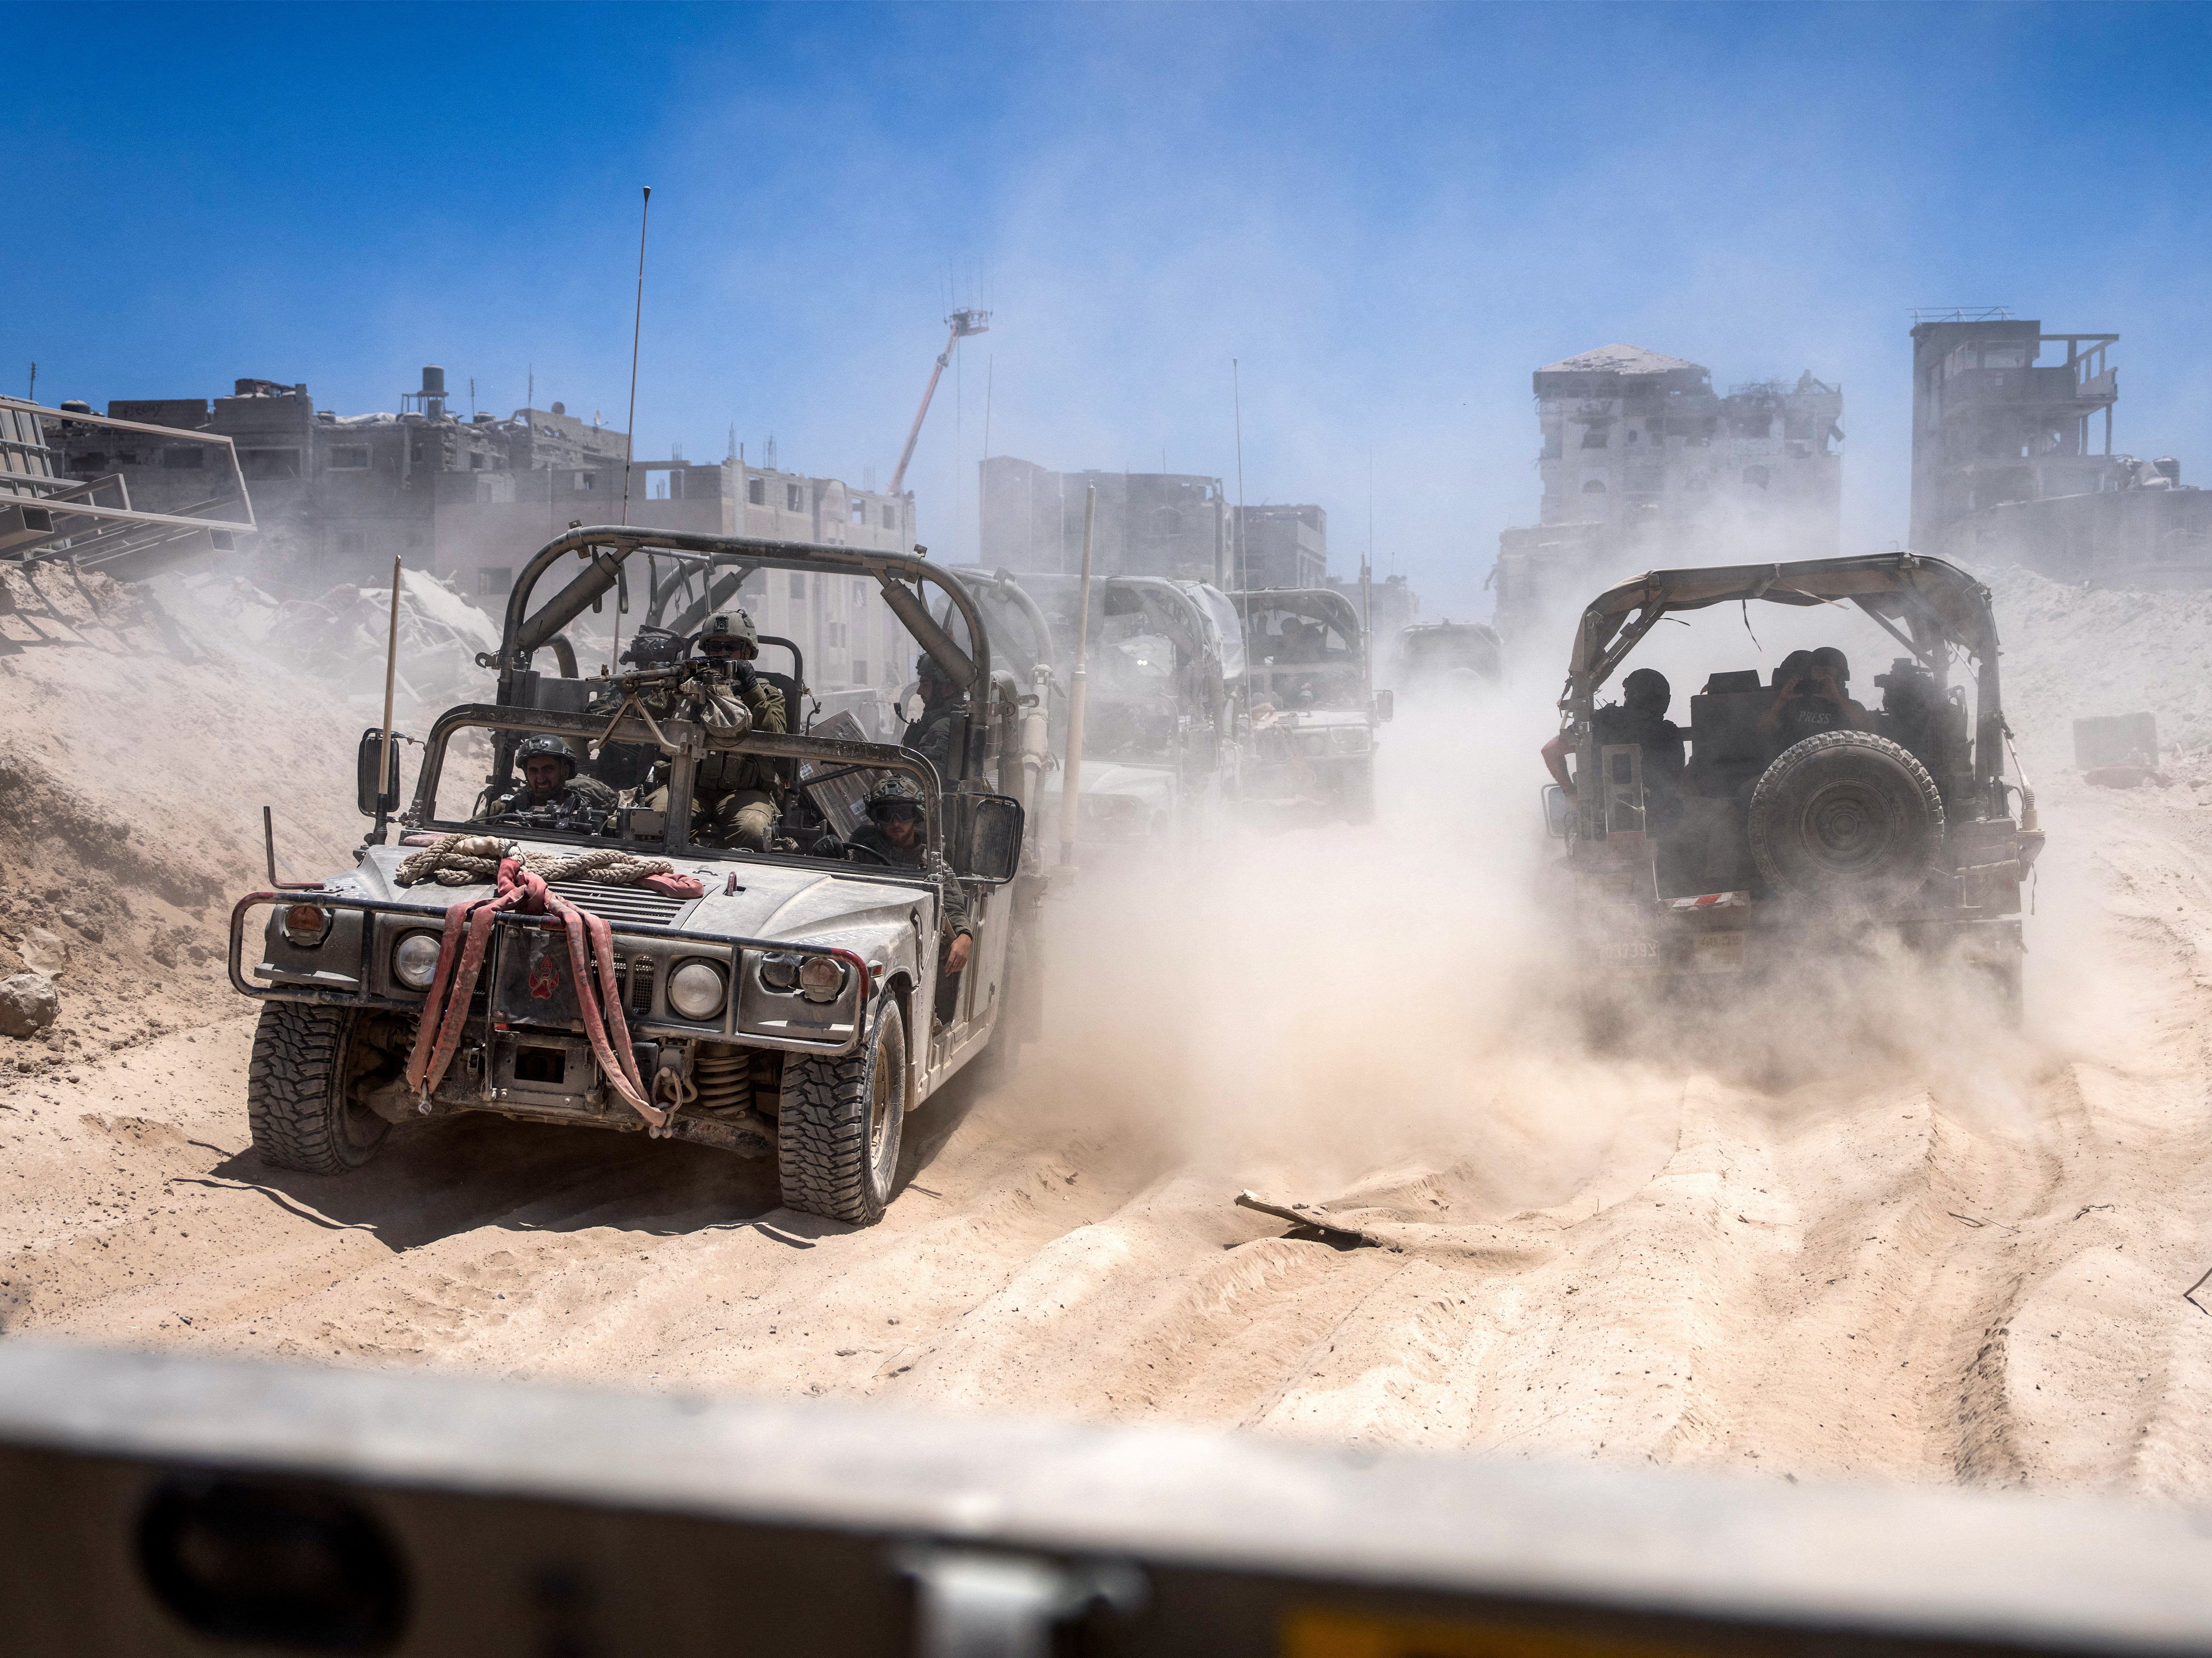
{"points": [[930, 732], [734, 796], [549, 784], [1812, 694], [895, 831], [1640, 719]]}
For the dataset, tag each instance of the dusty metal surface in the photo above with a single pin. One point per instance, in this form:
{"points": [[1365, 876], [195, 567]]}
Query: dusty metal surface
{"points": [[513, 1514]]}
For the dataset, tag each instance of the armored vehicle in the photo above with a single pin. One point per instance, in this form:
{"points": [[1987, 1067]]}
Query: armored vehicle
{"points": [[1309, 705], [608, 957], [1447, 655], [1762, 849], [1158, 735]]}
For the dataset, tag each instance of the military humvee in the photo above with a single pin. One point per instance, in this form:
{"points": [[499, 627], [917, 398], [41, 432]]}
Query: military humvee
{"points": [[1159, 732], [1447, 656], [775, 1003], [1759, 855], [1310, 703]]}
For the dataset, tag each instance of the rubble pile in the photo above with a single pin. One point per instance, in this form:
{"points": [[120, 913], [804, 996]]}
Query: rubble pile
{"points": [[141, 740], [2072, 653], [340, 635]]}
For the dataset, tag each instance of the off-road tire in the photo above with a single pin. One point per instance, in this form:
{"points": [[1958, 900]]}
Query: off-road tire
{"points": [[838, 1131], [1846, 819], [297, 1092]]}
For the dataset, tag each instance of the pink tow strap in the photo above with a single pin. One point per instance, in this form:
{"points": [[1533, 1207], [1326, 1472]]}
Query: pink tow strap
{"points": [[461, 951]]}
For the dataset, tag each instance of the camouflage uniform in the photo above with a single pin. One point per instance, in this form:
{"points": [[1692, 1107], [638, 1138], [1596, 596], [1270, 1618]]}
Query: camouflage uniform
{"points": [[734, 796]]}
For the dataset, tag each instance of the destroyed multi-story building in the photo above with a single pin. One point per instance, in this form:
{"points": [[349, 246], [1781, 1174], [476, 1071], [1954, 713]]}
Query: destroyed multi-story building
{"points": [[469, 498], [1175, 524], [1643, 465], [2010, 467]]}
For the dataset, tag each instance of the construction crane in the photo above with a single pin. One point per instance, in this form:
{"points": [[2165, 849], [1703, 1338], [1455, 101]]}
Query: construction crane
{"points": [[963, 323]]}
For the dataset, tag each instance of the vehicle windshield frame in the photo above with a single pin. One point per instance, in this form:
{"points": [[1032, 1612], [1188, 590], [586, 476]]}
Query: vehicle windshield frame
{"points": [[583, 729]]}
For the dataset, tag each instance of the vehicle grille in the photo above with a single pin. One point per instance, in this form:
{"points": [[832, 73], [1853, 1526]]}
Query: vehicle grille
{"points": [[620, 903]]}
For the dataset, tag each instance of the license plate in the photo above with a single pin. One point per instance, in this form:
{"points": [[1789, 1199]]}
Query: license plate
{"points": [[1628, 952], [1716, 952]]}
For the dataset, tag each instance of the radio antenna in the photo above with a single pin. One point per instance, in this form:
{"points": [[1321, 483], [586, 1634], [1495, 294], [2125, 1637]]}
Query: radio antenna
{"points": [[637, 326], [629, 437]]}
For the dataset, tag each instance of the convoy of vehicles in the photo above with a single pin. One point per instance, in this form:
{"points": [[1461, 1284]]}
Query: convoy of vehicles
{"points": [[1762, 854], [588, 964]]}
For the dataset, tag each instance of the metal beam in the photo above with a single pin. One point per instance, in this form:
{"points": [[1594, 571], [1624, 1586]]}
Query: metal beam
{"points": [[166, 1504]]}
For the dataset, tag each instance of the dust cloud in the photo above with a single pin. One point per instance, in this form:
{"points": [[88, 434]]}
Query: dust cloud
{"points": [[1852, 1230]]}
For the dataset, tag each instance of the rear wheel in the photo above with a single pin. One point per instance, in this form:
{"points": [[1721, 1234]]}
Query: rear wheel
{"points": [[1845, 817], [304, 1089], [842, 1118]]}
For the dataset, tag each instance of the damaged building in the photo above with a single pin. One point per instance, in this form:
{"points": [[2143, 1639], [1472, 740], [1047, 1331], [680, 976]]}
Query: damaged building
{"points": [[470, 498], [1643, 465], [2013, 460], [1174, 524]]}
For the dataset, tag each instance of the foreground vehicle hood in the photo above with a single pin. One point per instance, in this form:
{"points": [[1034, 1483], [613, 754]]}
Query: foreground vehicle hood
{"points": [[771, 900]]}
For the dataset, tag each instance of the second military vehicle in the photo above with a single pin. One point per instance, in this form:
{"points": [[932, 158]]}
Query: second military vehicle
{"points": [[1310, 710], [1801, 820]]}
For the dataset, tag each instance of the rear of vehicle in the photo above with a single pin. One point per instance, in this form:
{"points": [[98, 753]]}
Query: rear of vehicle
{"points": [[1767, 856]]}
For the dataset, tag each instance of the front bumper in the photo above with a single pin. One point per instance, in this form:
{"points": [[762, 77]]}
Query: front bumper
{"points": [[525, 985]]}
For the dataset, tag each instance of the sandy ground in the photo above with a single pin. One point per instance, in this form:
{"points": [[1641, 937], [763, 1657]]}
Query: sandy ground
{"points": [[1951, 1253]]}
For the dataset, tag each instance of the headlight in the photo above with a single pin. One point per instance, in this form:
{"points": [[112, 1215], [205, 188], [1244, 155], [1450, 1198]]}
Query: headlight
{"points": [[414, 960], [779, 972], [1349, 740], [696, 990], [821, 977], [306, 924]]}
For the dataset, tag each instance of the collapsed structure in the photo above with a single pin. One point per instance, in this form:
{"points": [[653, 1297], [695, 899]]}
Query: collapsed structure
{"points": [[2008, 466], [469, 498], [1645, 465]]}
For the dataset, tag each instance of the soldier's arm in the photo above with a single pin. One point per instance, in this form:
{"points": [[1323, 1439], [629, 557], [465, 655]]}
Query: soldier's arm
{"points": [[766, 703]]}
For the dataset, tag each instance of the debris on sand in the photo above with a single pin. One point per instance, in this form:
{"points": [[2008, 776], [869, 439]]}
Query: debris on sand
{"points": [[28, 1004]]}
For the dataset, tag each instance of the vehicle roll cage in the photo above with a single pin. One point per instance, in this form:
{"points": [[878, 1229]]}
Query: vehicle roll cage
{"points": [[690, 739], [606, 547], [1162, 599], [1924, 604], [1314, 603]]}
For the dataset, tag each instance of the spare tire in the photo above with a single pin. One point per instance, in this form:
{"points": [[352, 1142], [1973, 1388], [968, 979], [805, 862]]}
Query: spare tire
{"points": [[1846, 818]]}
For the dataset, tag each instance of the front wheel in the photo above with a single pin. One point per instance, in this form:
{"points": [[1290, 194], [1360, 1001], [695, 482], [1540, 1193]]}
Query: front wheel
{"points": [[304, 1089], [840, 1123]]}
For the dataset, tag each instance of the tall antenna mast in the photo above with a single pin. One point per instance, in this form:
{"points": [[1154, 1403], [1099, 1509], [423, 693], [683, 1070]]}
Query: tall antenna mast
{"points": [[637, 326], [1243, 565]]}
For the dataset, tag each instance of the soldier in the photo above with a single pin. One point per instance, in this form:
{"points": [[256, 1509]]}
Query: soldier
{"points": [[733, 800], [930, 732], [1812, 696], [549, 784], [1640, 718], [894, 833]]}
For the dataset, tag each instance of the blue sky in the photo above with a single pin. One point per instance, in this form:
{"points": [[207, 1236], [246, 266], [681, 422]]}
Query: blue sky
{"points": [[1388, 214]]}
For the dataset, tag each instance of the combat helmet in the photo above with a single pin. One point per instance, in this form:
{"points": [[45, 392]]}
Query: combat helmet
{"points": [[532, 748], [731, 624], [896, 790], [653, 647]]}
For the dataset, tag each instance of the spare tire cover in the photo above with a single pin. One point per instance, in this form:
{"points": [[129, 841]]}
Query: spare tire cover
{"points": [[1846, 818]]}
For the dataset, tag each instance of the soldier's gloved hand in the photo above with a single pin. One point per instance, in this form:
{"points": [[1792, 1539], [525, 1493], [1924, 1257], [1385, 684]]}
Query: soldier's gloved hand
{"points": [[828, 846], [744, 673]]}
